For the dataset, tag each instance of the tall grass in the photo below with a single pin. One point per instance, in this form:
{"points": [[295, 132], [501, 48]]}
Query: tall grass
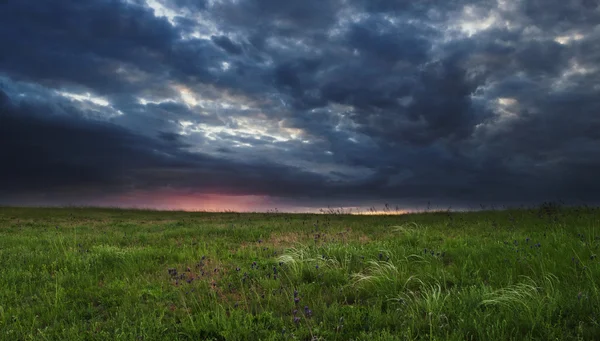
{"points": [[72, 274]]}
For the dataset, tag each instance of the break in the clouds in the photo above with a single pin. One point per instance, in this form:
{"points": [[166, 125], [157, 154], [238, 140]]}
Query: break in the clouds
{"points": [[256, 104]]}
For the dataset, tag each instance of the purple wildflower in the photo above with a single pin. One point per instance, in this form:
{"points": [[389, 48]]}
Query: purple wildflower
{"points": [[307, 311]]}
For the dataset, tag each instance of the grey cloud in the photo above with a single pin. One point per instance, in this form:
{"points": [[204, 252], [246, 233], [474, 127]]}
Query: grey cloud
{"points": [[49, 152], [226, 44], [193, 5], [77, 42], [390, 100], [389, 43]]}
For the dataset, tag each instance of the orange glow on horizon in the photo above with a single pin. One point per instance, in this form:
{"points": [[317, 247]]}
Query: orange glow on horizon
{"points": [[399, 212], [172, 200]]}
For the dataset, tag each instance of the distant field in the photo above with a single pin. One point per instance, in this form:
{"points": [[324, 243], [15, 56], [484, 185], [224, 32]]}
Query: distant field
{"points": [[104, 274]]}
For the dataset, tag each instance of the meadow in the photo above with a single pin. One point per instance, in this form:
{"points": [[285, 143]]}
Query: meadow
{"points": [[98, 274]]}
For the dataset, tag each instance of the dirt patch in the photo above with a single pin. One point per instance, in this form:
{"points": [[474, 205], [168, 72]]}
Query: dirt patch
{"points": [[276, 241], [364, 239], [285, 239]]}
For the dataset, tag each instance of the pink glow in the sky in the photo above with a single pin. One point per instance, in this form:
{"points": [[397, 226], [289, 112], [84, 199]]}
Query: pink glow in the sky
{"points": [[172, 200]]}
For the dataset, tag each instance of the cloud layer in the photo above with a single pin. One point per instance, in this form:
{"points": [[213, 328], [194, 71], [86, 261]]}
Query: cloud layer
{"points": [[310, 103]]}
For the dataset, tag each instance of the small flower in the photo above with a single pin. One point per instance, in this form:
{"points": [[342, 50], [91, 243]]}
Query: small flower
{"points": [[296, 300], [237, 269], [295, 293], [296, 320], [307, 311]]}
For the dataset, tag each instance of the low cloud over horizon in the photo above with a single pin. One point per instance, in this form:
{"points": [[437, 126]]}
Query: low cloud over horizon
{"points": [[256, 104]]}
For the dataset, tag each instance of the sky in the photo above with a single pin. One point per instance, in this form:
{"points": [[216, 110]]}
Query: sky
{"points": [[296, 105]]}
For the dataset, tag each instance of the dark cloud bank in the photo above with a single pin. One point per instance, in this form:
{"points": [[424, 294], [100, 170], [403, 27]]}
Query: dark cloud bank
{"points": [[312, 102]]}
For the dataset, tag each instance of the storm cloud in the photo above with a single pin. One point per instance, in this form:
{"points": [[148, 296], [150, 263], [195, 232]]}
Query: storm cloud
{"points": [[307, 103]]}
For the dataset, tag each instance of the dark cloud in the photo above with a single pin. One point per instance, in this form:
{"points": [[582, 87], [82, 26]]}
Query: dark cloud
{"points": [[80, 43], [389, 43], [281, 16], [46, 151], [459, 102], [557, 15], [193, 5], [226, 44], [533, 58]]}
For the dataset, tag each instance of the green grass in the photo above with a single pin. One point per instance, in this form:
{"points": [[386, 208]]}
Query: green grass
{"points": [[97, 274]]}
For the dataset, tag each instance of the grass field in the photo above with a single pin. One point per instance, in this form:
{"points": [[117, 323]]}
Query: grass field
{"points": [[98, 274]]}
